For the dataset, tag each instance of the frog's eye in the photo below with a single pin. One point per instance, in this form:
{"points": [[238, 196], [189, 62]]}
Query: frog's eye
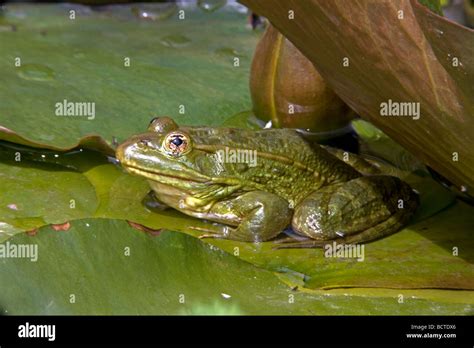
{"points": [[177, 143]]}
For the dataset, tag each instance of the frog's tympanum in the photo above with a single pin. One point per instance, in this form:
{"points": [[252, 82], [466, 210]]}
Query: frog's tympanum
{"points": [[255, 184]]}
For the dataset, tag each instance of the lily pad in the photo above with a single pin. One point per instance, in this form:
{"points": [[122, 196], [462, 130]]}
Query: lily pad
{"points": [[103, 266], [35, 194], [173, 70]]}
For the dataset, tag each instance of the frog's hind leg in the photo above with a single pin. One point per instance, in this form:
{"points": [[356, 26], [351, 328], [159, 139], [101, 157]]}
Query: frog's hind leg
{"points": [[358, 211], [383, 229], [355, 161]]}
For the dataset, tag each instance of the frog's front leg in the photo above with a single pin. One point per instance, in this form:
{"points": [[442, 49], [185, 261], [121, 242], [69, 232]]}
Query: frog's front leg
{"points": [[254, 216], [357, 211]]}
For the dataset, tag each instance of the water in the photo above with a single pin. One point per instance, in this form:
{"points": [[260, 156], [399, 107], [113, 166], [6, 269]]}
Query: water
{"points": [[175, 41], [228, 52], [35, 72], [5, 27], [154, 12], [77, 159], [211, 5]]}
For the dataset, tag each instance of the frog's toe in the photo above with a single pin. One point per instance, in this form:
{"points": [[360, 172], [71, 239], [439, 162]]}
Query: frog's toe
{"points": [[210, 235], [207, 232]]}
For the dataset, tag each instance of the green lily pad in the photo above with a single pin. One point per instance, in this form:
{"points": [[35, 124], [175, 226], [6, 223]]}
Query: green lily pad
{"points": [[35, 194], [174, 69], [168, 274]]}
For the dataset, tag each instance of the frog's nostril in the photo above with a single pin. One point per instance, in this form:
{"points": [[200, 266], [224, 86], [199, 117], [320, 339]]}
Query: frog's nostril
{"points": [[143, 143]]}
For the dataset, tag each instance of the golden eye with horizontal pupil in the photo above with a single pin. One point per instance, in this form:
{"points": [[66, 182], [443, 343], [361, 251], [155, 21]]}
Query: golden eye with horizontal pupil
{"points": [[177, 143]]}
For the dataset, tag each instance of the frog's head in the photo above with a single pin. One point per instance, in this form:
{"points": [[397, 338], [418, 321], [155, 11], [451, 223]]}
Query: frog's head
{"points": [[164, 154]]}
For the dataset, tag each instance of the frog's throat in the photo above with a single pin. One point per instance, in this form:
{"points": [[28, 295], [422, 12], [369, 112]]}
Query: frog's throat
{"points": [[156, 176]]}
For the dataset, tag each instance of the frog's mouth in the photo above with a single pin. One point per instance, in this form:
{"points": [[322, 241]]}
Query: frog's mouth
{"points": [[163, 177]]}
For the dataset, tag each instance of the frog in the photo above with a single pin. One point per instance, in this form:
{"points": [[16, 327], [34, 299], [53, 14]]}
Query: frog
{"points": [[280, 182]]}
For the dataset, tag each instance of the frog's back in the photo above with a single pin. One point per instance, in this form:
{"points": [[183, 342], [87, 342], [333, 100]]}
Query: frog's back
{"points": [[281, 142], [286, 164]]}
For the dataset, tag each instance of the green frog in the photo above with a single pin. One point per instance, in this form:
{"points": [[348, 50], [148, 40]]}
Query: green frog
{"points": [[256, 184]]}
